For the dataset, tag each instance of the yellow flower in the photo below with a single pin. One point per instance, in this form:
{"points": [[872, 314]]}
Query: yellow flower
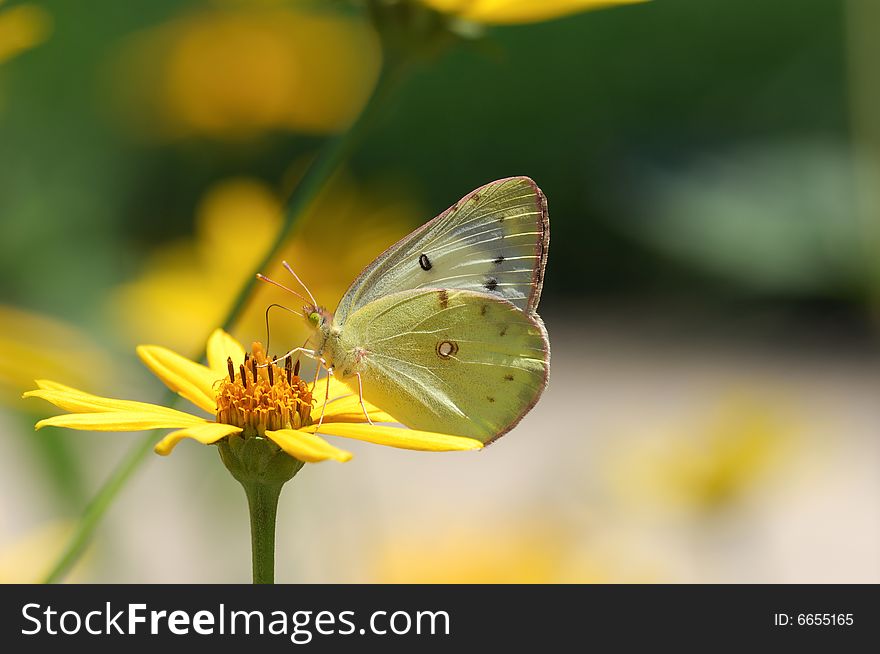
{"points": [[235, 73], [538, 546], [28, 558], [188, 286], [246, 399], [34, 345], [529, 553], [22, 28], [518, 11], [708, 465]]}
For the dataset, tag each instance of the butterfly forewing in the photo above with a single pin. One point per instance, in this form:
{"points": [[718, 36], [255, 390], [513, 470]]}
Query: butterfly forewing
{"points": [[494, 241], [451, 361]]}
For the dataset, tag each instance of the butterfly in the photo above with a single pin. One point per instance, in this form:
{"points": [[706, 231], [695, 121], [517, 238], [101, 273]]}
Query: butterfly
{"points": [[440, 331]]}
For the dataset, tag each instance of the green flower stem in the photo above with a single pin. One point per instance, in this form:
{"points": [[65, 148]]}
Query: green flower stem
{"points": [[263, 506], [262, 469], [328, 161]]}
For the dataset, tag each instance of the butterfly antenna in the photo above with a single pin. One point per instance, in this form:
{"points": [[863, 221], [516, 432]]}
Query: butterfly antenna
{"points": [[263, 278], [278, 306], [295, 276]]}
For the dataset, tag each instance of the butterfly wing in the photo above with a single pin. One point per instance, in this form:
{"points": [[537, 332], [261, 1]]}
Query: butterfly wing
{"points": [[451, 361], [494, 240]]}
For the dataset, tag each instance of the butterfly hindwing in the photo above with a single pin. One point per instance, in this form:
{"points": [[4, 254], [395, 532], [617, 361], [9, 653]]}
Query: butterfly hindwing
{"points": [[446, 360], [494, 240]]}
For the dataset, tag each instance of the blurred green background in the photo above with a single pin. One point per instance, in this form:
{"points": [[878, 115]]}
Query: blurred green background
{"points": [[711, 293]]}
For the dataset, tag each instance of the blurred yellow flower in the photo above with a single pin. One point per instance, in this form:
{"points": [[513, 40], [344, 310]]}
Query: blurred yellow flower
{"points": [[518, 11], [247, 401], [34, 345], [521, 553], [234, 73], [28, 559], [188, 287], [710, 464], [21, 28]]}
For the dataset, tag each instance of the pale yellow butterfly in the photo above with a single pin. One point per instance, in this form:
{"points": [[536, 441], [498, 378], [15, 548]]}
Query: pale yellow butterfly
{"points": [[440, 331]]}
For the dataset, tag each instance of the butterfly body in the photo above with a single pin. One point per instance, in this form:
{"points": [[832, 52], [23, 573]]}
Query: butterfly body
{"points": [[440, 331]]}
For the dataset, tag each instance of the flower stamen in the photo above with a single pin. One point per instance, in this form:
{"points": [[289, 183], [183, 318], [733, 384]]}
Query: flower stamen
{"points": [[272, 402]]}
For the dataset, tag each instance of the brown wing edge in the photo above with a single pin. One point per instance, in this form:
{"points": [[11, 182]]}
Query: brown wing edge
{"points": [[541, 248], [546, 341]]}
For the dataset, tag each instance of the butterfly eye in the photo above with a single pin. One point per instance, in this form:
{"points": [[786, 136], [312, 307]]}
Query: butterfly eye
{"points": [[315, 318]]}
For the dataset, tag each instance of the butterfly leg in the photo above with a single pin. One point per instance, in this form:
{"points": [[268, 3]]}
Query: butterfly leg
{"points": [[361, 397], [309, 353], [317, 372]]}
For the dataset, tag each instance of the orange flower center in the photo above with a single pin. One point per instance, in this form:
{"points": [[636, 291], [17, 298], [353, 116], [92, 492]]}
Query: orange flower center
{"points": [[261, 395]]}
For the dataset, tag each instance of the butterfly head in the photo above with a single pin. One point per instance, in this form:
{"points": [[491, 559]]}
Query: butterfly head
{"points": [[319, 318]]}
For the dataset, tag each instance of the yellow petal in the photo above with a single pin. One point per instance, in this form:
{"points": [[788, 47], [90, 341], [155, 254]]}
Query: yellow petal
{"points": [[221, 346], [205, 433], [348, 409], [407, 439], [188, 379], [50, 385], [344, 403], [306, 447], [119, 421], [519, 11], [79, 402], [338, 389]]}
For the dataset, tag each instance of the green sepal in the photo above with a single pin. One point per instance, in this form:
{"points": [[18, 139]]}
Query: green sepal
{"points": [[257, 460]]}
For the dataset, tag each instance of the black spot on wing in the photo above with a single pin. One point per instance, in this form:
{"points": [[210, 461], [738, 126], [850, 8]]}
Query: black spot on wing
{"points": [[491, 284], [498, 260], [425, 262]]}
